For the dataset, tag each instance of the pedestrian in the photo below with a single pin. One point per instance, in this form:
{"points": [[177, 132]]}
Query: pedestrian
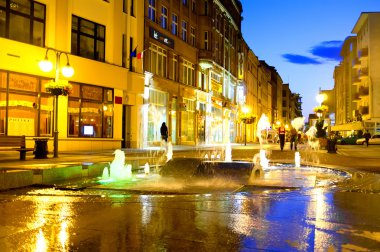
{"points": [[367, 136], [293, 139], [164, 132], [281, 134]]}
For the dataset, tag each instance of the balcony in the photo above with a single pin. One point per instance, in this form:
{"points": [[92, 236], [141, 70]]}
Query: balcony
{"points": [[356, 64], [204, 54], [356, 97], [363, 54], [363, 73], [356, 81], [363, 110], [363, 91]]}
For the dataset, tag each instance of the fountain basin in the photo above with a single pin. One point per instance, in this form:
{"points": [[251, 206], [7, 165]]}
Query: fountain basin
{"points": [[195, 167]]}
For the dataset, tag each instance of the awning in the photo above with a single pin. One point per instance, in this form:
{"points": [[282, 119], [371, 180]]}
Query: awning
{"points": [[348, 126]]}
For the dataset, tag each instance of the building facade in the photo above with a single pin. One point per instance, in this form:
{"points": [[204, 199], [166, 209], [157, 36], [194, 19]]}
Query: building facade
{"points": [[95, 42], [357, 82], [137, 64], [191, 53]]}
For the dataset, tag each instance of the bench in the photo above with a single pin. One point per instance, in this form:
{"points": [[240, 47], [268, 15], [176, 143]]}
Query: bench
{"points": [[16, 143]]}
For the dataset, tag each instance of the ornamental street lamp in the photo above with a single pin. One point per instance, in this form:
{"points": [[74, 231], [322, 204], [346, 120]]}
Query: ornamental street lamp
{"points": [[67, 71]]}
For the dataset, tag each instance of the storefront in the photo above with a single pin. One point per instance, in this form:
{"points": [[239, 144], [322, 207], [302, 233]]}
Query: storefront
{"points": [[26, 108]]}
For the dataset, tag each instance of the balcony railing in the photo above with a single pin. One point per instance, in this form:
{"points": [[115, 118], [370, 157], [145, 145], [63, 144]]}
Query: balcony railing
{"points": [[363, 54], [356, 64], [363, 73], [363, 91], [364, 110], [356, 97], [356, 81]]}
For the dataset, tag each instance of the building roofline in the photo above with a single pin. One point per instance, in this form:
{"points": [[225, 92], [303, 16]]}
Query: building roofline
{"points": [[361, 20]]}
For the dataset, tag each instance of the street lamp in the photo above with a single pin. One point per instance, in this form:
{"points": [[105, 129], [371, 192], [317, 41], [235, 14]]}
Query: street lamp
{"points": [[245, 111], [67, 71], [320, 98]]}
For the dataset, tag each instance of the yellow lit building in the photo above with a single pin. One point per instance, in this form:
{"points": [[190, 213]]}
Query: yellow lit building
{"points": [[95, 38]]}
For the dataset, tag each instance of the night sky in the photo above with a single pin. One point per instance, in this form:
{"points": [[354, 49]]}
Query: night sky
{"points": [[302, 39]]}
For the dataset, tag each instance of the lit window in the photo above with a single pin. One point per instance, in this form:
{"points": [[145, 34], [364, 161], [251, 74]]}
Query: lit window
{"points": [[206, 40], [192, 34], [174, 24], [158, 60], [188, 73], [164, 17], [184, 31], [152, 10]]}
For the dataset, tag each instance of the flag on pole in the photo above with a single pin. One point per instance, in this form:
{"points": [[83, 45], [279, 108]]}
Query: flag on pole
{"points": [[134, 53], [140, 55]]}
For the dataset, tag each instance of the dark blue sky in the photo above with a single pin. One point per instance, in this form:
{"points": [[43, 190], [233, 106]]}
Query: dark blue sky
{"points": [[302, 39]]}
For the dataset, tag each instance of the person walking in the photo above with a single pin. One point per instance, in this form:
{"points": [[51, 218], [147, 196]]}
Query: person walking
{"points": [[164, 132], [367, 136], [281, 134], [293, 139]]}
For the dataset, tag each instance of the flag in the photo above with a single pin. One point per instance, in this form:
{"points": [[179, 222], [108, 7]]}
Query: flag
{"points": [[140, 55], [134, 53]]}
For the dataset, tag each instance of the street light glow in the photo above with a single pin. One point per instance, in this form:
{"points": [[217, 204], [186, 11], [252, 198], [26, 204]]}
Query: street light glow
{"points": [[45, 65], [320, 98], [67, 71]]}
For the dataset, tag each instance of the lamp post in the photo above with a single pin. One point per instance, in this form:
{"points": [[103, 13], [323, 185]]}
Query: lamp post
{"points": [[67, 71]]}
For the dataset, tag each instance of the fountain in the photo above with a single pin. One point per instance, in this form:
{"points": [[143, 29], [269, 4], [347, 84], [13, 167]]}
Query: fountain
{"points": [[297, 159], [169, 155], [117, 169], [297, 124], [228, 151], [262, 124], [146, 169], [190, 174]]}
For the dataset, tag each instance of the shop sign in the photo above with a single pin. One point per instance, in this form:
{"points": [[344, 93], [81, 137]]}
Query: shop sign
{"points": [[118, 100], [161, 37]]}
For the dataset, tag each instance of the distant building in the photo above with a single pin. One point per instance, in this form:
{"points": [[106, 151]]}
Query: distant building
{"points": [[357, 80]]}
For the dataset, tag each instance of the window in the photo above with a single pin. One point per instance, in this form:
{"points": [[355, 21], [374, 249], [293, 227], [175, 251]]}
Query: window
{"points": [[125, 4], [88, 39], [192, 35], [90, 107], [23, 21], [206, 41], [158, 60], [123, 50], [184, 31], [184, 2], [174, 24], [187, 121], [152, 10], [132, 8], [174, 70], [164, 17], [206, 7], [188, 73], [27, 109], [193, 5]]}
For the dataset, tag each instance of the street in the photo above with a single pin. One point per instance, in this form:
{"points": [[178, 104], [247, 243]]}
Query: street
{"points": [[216, 216]]}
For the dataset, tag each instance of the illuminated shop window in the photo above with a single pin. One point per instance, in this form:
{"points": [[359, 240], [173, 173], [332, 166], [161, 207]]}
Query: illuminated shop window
{"points": [[90, 112], [28, 109]]}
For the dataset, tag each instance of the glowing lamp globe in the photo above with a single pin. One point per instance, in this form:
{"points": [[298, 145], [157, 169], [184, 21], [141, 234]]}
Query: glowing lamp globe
{"points": [[67, 71], [45, 65]]}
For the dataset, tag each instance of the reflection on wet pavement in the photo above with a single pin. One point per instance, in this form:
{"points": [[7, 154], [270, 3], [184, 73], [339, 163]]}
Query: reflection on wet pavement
{"points": [[317, 211]]}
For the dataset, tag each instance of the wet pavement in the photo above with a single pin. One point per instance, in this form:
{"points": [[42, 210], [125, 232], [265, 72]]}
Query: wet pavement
{"points": [[216, 215]]}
